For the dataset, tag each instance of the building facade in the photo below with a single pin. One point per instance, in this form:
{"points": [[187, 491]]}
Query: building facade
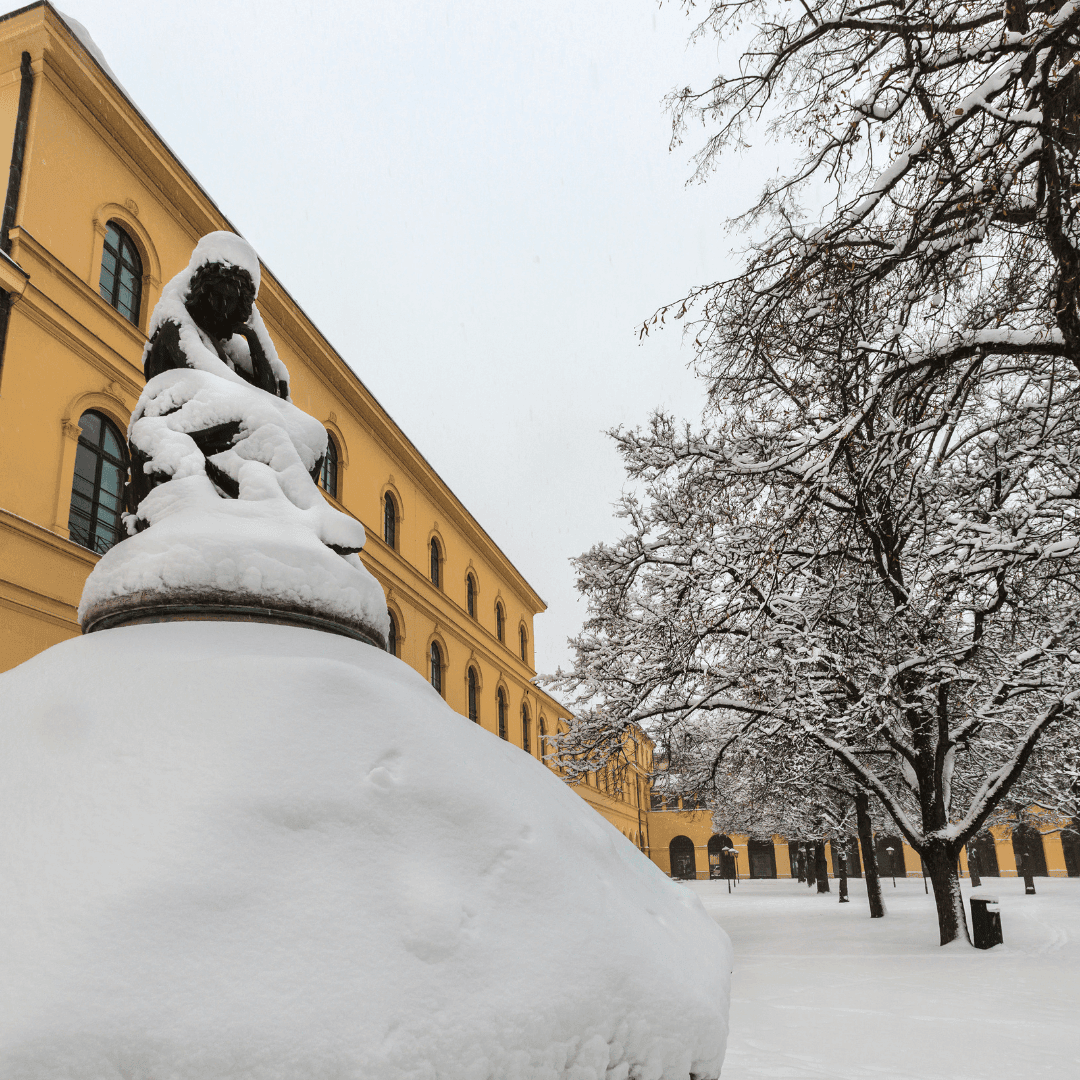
{"points": [[685, 845], [99, 215]]}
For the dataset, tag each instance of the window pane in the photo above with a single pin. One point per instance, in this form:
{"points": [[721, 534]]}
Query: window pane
{"points": [[435, 562], [97, 486], [112, 480], [114, 444], [436, 667], [90, 428], [129, 255], [107, 284], [125, 302], [120, 280], [328, 477], [389, 521], [79, 525]]}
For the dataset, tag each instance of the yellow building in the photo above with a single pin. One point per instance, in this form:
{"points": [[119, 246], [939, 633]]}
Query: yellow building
{"points": [[685, 844], [99, 215]]}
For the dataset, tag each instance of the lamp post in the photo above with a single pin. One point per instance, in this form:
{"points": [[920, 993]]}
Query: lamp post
{"points": [[842, 860], [1029, 880], [892, 864], [735, 862]]}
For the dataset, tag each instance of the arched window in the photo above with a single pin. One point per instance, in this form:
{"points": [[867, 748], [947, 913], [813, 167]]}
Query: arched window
{"points": [[982, 852], [890, 864], [501, 697], [389, 520], [328, 478], [436, 666], [500, 621], [392, 635], [120, 282], [1070, 846], [474, 707], [470, 595], [541, 745], [1028, 850], [849, 845], [683, 863], [721, 865], [525, 742], [762, 858], [435, 559], [523, 641], [96, 492]]}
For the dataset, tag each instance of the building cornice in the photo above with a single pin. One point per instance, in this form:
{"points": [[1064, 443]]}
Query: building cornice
{"points": [[120, 123]]}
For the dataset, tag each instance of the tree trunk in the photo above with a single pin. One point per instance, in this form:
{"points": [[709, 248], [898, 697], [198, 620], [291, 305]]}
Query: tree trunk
{"points": [[809, 865], [800, 862], [821, 867], [869, 856], [941, 866]]}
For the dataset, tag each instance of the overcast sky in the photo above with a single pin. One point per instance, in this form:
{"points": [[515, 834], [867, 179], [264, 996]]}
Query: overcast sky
{"points": [[475, 203]]}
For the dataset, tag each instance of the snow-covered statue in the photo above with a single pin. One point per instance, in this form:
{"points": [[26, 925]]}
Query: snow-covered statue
{"points": [[224, 515]]}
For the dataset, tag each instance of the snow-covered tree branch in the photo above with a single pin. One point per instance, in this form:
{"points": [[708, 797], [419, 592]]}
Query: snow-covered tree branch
{"points": [[872, 539]]}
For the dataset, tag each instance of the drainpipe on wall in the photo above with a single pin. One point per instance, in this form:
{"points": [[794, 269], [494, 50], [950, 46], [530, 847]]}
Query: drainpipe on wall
{"points": [[14, 188]]}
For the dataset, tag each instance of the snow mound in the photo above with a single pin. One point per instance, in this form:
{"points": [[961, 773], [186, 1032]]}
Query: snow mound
{"points": [[250, 851]]}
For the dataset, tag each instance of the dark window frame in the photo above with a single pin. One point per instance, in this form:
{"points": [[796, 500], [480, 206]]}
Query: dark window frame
{"points": [[125, 255], [525, 722], [470, 595], [500, 696], [87, 535], [390, 520], [435, 570], [500, 621], [392, 642], [473, 681], [523, 642], [683, 858], [436, 675], [331, 467]]}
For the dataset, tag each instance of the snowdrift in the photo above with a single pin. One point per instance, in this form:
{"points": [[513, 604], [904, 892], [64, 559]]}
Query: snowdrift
{"points": [[234, 850]]}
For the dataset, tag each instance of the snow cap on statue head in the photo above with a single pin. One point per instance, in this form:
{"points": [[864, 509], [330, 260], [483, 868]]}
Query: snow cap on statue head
{"points": [[228, 249]]}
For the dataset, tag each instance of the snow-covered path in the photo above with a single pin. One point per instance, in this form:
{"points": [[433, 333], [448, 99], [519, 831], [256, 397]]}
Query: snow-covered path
{"points": [[822, 991]]}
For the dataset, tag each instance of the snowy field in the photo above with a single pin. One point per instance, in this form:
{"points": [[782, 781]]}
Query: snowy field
{"points": [[821, 990]]}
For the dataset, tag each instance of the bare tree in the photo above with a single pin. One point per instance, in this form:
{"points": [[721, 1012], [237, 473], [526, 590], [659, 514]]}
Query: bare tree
{"points": [[872, 538]]}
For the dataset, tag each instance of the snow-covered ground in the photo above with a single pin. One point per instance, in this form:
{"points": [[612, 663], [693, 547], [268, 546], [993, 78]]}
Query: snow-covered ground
{"points": [[821, 990], [239, 851]]}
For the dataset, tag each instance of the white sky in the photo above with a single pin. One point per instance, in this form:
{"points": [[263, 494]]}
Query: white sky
{"points": [[474, 202]]}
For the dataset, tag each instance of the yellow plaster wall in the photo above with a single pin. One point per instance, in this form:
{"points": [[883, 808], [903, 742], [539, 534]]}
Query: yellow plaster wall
{"points": [[91, 158]]}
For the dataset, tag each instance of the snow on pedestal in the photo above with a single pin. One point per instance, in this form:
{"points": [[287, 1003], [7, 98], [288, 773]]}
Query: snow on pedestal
{"points": [[224, 509], [234, 850]]}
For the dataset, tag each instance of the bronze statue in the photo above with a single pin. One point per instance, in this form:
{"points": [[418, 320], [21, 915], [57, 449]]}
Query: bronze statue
{"points": [[220, 300], [223, 514]]}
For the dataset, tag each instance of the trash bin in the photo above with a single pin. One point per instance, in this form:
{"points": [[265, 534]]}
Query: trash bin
{"points": [[985, 922]]}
